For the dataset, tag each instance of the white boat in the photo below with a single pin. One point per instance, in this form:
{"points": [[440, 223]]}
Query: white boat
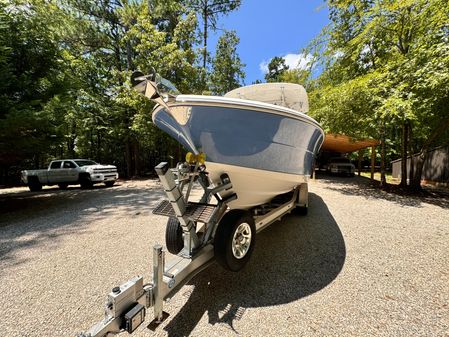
{"points": [[266, 147]]}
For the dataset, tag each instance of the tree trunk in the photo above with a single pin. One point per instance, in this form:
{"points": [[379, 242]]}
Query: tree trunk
{"points": [[99, 152], [415, 184], [136, 158], [404, 154], [91, 144], [71, 139], [128, 158], [205, 18], [359, 162], [383, 180], [411, 153], [37, 161]]}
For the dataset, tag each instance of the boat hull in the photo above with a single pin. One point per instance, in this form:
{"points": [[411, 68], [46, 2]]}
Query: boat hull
{"points": [[252, 186], [265, 151]]}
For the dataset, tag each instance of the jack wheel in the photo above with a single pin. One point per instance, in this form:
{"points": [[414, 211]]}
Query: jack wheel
{"points": [[234, 240], [173, 236], [63, 186], [109, 183]]}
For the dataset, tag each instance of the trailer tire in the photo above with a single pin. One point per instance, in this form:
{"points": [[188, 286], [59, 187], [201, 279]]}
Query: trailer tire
{"points": [[173, 236], [301, 210], [234, 240]]}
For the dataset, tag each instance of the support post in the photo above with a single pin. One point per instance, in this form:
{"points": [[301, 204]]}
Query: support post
{"points": [[373, 160], [359, 163], [158, 272]]}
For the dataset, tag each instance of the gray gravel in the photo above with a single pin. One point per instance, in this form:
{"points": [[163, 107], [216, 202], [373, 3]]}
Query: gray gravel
{"points": [[362, 263]]}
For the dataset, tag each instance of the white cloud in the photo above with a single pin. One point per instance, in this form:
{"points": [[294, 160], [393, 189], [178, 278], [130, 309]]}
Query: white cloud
{"points": [[297, 61], [294, 61], [263, 66]]}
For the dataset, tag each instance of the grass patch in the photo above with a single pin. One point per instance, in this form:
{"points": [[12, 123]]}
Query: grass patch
{"points": [[388, 176]]}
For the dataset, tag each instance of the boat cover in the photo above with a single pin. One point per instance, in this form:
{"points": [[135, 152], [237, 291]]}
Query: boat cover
{"points": [[288, 95]]}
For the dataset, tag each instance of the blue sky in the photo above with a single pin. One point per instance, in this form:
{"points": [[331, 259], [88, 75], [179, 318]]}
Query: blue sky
{"points": [[269, 28]]}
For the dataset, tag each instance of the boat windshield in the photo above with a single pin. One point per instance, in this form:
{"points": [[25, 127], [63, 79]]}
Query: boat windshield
{"points": [[82, 163], [165, 86]]}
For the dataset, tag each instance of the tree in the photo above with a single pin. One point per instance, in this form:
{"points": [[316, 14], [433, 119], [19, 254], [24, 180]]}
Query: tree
{"points": [[385, 46], [276, 68], [65, 67], [33, 81], [227, 73], [114, 38], [210, 10]]}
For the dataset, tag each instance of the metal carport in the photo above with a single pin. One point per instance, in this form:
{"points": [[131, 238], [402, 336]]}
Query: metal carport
{"points": [[345, 144]]}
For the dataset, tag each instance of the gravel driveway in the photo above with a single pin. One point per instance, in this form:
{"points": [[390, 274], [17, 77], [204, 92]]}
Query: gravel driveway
{"points": [[362, 263]]}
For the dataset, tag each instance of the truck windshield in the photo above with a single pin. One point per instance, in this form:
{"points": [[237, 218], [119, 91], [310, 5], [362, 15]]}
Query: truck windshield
{"points": [[82, 163], [340, 160]]}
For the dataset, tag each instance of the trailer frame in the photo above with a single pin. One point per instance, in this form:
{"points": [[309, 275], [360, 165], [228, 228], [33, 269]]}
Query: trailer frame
{"points": [[127, 304]]}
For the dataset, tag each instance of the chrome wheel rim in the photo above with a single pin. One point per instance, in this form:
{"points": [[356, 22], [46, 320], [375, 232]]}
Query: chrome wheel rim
{"points": [[241, 241]]}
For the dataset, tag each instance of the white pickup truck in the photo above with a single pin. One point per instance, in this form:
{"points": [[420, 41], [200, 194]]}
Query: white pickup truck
{"points": [[71, 172]]}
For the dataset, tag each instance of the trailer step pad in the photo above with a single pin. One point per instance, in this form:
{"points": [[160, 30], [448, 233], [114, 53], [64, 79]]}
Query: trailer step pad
{"points": [[195, 211]]}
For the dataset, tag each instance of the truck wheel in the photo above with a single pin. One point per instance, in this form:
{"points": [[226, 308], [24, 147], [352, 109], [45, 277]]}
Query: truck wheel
{"points": [[35, 186], [85, 181], [173, 236], [63, 186], [109, 183], [234, 240]]}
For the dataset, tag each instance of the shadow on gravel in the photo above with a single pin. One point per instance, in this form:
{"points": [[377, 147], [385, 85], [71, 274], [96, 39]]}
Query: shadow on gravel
{"points": [[362, 187], [292, 259], [41, 218]]}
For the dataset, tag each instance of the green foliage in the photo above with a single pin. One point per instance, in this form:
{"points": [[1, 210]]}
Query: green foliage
{"points": [[227, 73], [32, 79], [276, 68], [385, 69], [65, 68]]}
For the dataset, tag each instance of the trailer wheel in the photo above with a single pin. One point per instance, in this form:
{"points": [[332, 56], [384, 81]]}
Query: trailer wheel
{"points": [[234, 240], [173, 236], [300, 210]]}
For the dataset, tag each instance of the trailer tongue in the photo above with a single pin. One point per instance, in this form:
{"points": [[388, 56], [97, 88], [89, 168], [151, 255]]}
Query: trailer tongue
{"points": [[200, 233]]}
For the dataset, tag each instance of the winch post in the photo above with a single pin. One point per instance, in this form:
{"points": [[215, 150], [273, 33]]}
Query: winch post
{"points": [[158, 272]]}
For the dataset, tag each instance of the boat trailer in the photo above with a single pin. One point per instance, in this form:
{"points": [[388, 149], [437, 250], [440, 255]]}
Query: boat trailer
{"points": [[198, 233]]}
